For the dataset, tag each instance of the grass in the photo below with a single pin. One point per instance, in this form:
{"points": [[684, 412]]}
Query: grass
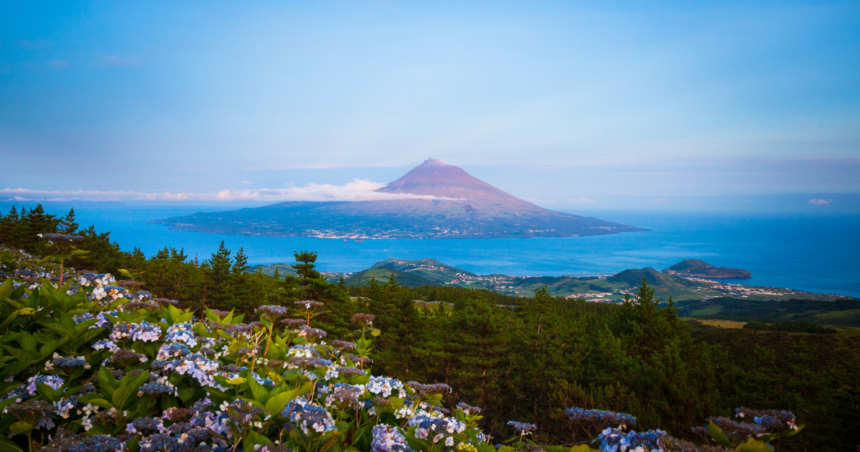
{"points": [[730, 324], [707, 311], [846, 329]]}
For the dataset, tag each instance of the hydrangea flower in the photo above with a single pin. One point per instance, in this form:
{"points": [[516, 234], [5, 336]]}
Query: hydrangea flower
{"points": [[308, 416], [182, 332], [605, 418], [199, 367], [385, 386], [169, 351], [71, 361], [146, 332], [522, 428], [387, 438], [273, 310], [105, 344], [614, 440], [51, 380]]}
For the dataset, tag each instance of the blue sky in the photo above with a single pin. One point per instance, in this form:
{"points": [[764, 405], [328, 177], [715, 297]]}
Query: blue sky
{"points": [[553, 101]]}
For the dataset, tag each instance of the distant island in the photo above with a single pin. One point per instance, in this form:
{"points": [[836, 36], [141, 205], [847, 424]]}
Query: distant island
{"points": [[612, 288], [440, 201], [700, 269]]}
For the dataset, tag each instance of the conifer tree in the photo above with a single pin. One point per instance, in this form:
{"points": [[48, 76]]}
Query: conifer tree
{"points": [[10, 228], [220, 278], [305, 265], [241, 285], [67, 224]]}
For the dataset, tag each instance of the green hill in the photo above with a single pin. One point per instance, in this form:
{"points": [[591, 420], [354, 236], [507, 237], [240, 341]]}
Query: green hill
{"points": [[633, 277], [382, 274], [283, 269], [701, 269], [428, 269]]}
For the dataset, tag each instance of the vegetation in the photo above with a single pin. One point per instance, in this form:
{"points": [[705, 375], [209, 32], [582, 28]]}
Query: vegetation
{"points": [[519, 359], [844, 312]]}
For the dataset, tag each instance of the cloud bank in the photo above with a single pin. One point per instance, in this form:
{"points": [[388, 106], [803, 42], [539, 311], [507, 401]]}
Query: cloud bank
{"points": [[357, 190], [820, 202]]}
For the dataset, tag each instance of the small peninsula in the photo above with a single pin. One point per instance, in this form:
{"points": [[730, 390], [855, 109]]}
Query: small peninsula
{"points": [[701, 269]]}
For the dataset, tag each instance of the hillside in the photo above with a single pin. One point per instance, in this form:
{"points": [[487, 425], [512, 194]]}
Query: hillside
{"points": [[434, 200], [383, 274], [428, 269], [700, 269]]}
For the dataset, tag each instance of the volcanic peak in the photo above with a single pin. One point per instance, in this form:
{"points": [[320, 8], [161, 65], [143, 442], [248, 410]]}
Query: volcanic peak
{"points": [[438, 178]]}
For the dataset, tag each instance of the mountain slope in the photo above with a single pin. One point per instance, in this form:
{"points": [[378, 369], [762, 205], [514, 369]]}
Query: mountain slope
{"points": [[700, 269], [461, 207]]}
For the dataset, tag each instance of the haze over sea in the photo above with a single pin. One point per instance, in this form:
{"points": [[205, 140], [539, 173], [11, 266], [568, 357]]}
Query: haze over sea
{"points": [[814, 253]]}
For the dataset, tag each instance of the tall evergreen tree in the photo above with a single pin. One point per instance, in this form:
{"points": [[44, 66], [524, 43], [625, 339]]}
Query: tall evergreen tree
{"points": [[305, 265], [241, 285], [220, 278], [67, 223], [10, 228]]}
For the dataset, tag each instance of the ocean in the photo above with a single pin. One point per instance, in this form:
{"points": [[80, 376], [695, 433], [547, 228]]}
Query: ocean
{"points": [[809, 253]]}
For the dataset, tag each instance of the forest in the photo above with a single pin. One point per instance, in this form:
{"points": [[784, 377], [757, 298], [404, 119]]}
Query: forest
{"points": [[524, 359]]}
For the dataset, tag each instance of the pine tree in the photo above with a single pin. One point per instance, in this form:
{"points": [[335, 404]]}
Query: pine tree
{"points": [[240, 262], [37, 222], [305, 266], [220, 293], [67, 224], [240, 278], [10, 228]]}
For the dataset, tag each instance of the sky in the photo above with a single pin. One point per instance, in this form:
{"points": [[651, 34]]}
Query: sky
{"points": [[567, 104]]}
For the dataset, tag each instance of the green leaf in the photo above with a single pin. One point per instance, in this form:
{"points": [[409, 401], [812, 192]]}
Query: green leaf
{"points": [[255, 439], [101, 403], [6, 444], [6, 288], [11, 317], [375, 332], [752, 445], [186, 393], [132, 444], [120, 395], [48, 392], [28, 342], [257, 390], [581, 448], [21, 428], [718, 435], [555, 448], [277, 403], [107, 383], [361, 380]]}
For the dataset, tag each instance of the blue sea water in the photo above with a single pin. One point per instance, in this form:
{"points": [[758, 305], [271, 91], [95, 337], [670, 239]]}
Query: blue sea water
{"points": [[809, 253]]}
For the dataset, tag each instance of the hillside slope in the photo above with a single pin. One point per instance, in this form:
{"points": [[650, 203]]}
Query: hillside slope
{"points": [[701, 269]]}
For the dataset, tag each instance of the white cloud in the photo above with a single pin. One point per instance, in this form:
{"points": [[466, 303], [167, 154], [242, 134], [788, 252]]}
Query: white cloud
{"points": [[245, 182], [581, 200], [357, 190], [315, 166], [820, 202]]}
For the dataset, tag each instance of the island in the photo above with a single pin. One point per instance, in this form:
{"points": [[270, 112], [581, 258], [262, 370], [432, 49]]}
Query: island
{"points": [[435, 200], [700, 269]]}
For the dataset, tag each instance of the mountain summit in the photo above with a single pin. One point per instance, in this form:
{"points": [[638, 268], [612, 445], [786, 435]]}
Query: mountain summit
{"points": [[442, 179], [458, 205]]}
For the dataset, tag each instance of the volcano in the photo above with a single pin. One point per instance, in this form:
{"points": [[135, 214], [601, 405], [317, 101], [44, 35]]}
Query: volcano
{"points": [[434, 200]]}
